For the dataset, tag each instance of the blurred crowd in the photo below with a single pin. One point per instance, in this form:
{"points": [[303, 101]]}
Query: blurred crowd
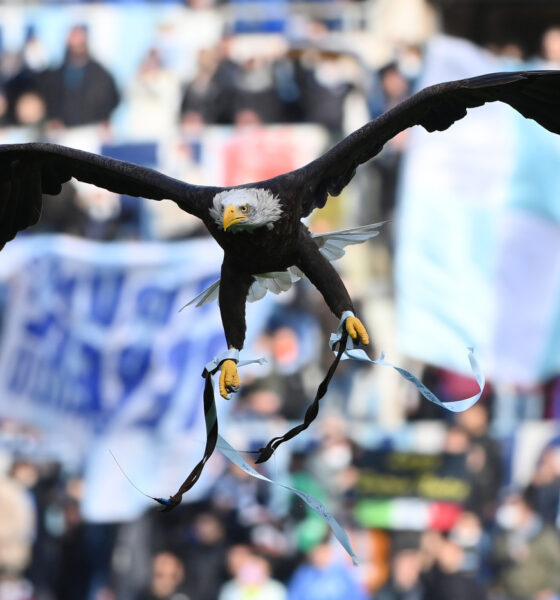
{"points": [[241, 541], [244, 540], [227, 83], [290, 82]]}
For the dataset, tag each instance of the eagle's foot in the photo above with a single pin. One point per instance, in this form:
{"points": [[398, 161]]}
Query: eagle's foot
{"points": [[229, 378], [356, 330]]}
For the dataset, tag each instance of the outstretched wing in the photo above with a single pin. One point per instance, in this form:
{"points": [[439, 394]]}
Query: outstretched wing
{"points": [[535, 94], [29, 170]]}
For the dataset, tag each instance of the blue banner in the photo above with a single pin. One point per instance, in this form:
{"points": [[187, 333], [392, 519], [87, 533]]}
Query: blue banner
{"points": [[95, 353]]}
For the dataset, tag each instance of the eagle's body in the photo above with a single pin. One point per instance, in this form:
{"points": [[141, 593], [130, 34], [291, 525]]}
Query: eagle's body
{"points": [[285, 242], [262, 249], [258, 225]]}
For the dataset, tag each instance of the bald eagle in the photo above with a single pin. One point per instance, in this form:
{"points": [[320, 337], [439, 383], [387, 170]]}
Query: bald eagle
{"points": [[259, 225]]}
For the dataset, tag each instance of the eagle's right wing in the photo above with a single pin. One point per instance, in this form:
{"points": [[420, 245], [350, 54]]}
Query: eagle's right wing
{"points": [[29, 170], [535, 94]]}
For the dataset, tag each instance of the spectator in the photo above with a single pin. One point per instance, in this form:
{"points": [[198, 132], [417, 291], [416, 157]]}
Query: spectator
{"points": [[526, 552], [333, 458], [325, 577], [255, 91], [153, 99], [448, 579], [469, 534], [76, 558], [81, 91], [309, 528], [34, 53], [551, 46], [285, 76], [392, 87], [17, 526], [100, 210], [545, 485], [326, 80], [484, 462], [29, 109], [242, 497], [23, 86], [202, 94], [260, 401], [251, 579], [225, 81], [205, 557], [168, 576], [405, 583], [456, 445]]}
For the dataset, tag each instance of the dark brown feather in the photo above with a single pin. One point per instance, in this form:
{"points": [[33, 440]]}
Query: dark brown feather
{"points": [[535, 94], [29, 170]]}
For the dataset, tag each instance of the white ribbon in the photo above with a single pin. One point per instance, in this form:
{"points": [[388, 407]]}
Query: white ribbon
{"points": [[351, 352], [231, 354], [312, 502]]}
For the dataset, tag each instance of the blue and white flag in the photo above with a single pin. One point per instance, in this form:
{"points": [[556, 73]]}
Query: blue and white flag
{"points": [[478, 235]]}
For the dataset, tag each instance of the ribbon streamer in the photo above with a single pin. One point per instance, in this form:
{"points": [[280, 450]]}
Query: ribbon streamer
{"points": [[211, 420], [341, 535], [347, 350], [351, 352], [312, 410], [214, 439]]}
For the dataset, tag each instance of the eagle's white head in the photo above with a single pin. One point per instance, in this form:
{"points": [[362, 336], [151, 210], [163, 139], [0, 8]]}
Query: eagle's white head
{"points": [[245, 209]]}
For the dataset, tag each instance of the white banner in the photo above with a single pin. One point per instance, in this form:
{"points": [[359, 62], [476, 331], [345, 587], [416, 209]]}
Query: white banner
{"points": [[477, 261]]}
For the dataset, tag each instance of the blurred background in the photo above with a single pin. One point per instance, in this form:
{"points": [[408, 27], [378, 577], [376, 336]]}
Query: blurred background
{"points": [[96, 357]]}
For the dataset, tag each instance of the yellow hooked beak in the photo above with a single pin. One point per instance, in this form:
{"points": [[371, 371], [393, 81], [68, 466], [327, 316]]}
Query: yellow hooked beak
{"points": [[232, 216]]}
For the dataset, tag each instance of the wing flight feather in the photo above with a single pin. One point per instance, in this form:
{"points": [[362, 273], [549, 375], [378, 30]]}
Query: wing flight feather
{"points": [[29, 170], [535, 94]]}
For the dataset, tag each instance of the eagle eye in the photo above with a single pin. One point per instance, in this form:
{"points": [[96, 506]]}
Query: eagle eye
{"points": [[244, 209]]}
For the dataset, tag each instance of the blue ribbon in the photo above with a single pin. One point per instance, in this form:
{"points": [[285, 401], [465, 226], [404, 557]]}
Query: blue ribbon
{"points": [[341, 535], [351, 352]]}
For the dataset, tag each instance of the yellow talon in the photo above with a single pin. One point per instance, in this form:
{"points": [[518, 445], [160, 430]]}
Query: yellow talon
{"points": [[356, 330], [229, 378]]}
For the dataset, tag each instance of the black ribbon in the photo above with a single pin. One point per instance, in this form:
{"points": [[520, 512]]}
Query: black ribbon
{"points": [[265, 453], [311, 412], [211, 419]]}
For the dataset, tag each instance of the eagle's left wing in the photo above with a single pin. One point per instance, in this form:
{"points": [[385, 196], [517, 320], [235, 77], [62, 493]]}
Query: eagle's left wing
{"points": [[535, 94]]}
